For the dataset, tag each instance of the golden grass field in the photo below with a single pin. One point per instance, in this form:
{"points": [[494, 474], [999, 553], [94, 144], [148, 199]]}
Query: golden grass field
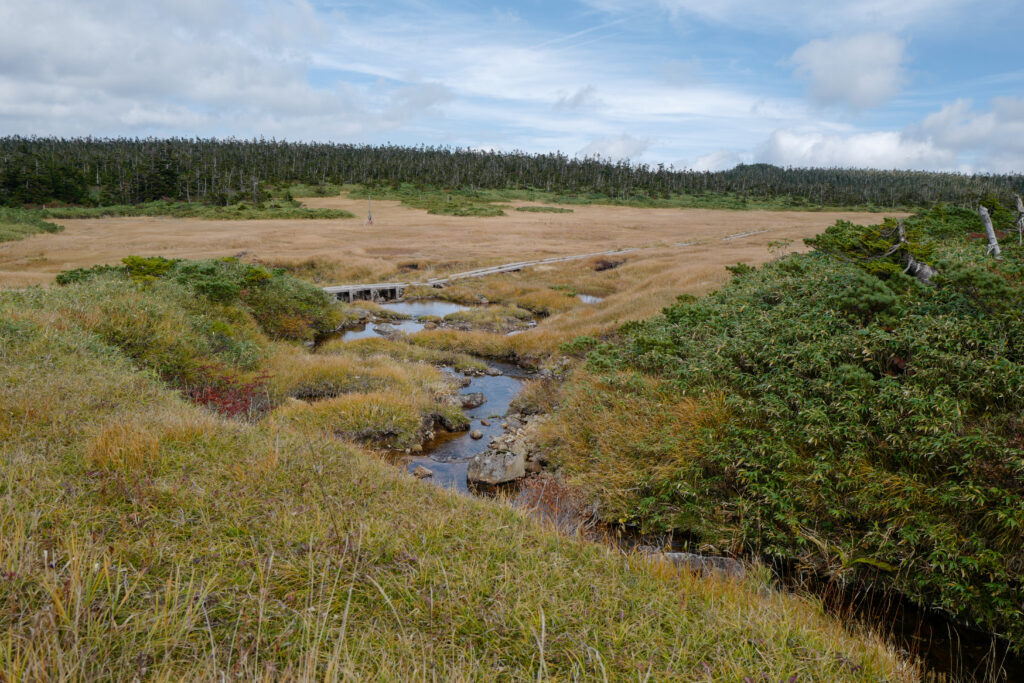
{"points": [[402, 236]]}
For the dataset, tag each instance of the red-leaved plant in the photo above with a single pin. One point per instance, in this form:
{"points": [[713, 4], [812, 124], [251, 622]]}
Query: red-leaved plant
{"points": [[230, 393]]}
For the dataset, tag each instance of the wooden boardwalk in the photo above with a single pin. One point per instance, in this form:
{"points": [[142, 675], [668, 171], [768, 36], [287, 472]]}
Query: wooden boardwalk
{"points": [[389, 291]]}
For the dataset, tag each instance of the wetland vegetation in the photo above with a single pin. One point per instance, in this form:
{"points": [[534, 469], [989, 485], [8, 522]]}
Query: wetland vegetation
{"points": [[172, 508], [197, 460]]}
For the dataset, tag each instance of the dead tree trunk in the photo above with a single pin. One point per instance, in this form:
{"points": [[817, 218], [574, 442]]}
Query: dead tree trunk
{"points": [[922, 271], [993, 243], [1020, 219]]}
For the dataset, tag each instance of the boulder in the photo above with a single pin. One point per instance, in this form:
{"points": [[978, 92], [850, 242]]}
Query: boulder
{"points": [[385, 330], [473, 400], [476, 434], [492, 371], [449, 424], [495, 467], [422, 472], [484, 422], [704, 564]]}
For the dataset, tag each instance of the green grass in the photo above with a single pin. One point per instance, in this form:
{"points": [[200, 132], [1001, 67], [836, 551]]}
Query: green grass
{"points": [[144, 536], [543, 209], [302, 190], [434, 201], [493, 318], [242, 211], [17, 224], [482, 202], [405, 351], [829, 410]]}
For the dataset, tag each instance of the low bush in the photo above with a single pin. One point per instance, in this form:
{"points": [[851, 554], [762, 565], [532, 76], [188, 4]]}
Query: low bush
{"points": [[283, 306], [242, 211], [861, 422], [16, 224], [543, 209]]}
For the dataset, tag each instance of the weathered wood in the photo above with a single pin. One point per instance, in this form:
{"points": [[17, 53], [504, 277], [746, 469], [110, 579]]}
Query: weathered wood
{"points": [[993, 243], [1020, 219], [922, 271], [382, 291]]}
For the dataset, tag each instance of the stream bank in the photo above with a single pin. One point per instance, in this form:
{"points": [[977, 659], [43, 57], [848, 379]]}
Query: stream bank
{"points": [[948, 650]]}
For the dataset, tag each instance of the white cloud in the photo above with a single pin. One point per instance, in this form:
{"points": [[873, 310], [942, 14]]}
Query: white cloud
{"points": [[683, 73], [858, 71], [808, 16], [115, 67], [721, 160], [991, 140], [421, 72], [881, 149], [584, 97], [621, 147]]}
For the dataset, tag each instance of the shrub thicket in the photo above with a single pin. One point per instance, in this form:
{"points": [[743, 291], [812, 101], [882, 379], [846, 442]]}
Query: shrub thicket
{"points": [[855, 418], [16, 224], [283, 306]]}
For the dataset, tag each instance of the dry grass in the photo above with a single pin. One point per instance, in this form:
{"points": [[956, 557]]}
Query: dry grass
{"points": [[338, 369], [391, 418], [338, 251], [620, 443], [395, 349], [124, 447], [537, 397]]}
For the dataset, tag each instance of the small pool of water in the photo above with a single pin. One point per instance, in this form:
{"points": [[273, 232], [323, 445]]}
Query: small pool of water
{"points": [[588, 299], [414, 309], [370, 330], [418, 309], [448, 455]]}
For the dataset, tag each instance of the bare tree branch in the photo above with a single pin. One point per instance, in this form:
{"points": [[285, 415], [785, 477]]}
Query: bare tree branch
{"points": [[922, 271], [1020, 219]]}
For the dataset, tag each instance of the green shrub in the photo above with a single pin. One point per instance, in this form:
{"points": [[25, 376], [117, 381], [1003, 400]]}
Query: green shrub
{"points": [[16, 224], [870, 421], [283, 306]]}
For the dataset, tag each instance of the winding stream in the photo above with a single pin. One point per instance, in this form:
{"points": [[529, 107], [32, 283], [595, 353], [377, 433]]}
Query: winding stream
{"points": [[949, 651], [448, 455]]}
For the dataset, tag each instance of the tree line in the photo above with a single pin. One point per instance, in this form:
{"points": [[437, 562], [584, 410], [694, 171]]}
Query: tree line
{"points": [[105, 171]]}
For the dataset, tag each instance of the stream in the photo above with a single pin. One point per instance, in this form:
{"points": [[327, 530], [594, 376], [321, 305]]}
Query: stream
{"points": [[448, 455], [948, 650], [416, 310]]}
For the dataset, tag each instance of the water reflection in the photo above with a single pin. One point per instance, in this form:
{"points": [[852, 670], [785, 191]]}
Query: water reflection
{"points": [[414, 309], [370, 330], [418, 309], [448, 455]]}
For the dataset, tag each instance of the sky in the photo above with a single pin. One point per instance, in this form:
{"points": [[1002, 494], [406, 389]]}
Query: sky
{"points": [[698, 84]]}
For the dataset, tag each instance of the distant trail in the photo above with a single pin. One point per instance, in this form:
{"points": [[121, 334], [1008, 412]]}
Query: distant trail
{"points": [[394, 290]]}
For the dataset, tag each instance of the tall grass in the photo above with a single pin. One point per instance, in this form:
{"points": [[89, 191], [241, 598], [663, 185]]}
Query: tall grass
{"points": [[274, 551], [241, 211]]}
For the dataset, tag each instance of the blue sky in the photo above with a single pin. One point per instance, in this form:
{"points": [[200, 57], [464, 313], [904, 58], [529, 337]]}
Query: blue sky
{"points": [[929, 84]]}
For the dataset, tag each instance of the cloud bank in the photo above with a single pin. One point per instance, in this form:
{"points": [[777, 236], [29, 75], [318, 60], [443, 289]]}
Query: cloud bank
{"points": [[697, 84]]}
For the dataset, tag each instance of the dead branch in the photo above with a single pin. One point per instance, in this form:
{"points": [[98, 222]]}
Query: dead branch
{"points": [[993, 243]]}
